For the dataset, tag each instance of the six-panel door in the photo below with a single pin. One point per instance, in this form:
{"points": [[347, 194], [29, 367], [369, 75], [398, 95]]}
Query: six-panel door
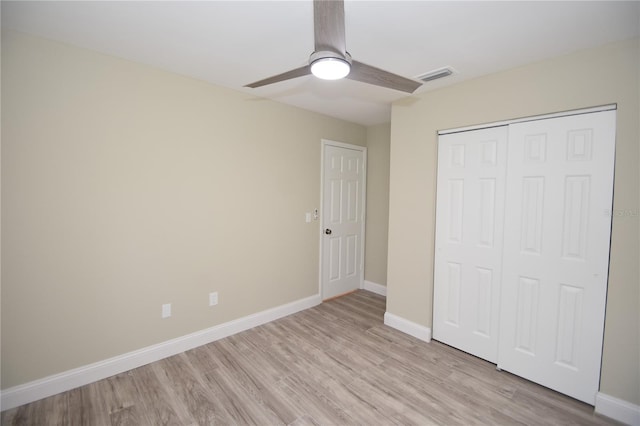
{"points": [[343, 218], [469, 217], [556, 251]]}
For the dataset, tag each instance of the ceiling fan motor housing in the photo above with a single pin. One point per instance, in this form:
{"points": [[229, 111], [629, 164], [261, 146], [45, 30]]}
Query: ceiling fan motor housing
{"points": [[327, 54]]}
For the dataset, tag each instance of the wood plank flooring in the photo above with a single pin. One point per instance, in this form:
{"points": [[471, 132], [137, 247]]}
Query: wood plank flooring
{"points": [[335, 364]]}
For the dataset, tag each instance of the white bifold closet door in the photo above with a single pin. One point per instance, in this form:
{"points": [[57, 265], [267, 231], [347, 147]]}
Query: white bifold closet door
{"points": [[550, 250]]}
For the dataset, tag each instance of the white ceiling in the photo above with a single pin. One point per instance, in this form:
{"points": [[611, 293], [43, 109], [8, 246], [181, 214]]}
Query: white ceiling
{"points": [[233, 43]]}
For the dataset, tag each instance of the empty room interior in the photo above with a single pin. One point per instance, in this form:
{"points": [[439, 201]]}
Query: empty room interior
{"points": [[200, 226]]}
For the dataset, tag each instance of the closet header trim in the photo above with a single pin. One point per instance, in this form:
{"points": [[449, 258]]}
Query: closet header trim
{"points": [[532, 118]]}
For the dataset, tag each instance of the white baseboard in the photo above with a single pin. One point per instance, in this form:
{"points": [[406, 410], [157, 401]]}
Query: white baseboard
{"points": [[48, 386], [409, 327], [618, 409], [375, 288]]}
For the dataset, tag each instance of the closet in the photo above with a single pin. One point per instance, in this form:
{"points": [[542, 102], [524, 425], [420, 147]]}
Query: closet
{"points": [[523, 225]]}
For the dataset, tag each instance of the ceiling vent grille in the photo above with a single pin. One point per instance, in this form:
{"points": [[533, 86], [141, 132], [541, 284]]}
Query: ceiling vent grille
{"points": [[436, 74]]}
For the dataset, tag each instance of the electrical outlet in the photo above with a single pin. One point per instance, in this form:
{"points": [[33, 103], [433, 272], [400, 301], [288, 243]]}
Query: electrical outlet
{"points": [[166, 310], [213, 298]]}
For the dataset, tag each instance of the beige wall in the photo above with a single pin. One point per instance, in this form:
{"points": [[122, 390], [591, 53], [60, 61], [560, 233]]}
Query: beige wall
{"points": [[378, 145], [125, 187], [598, 76]]}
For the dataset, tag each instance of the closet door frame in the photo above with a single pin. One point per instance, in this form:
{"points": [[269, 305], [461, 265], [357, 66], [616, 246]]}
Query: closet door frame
{"points": [[506, 343], [609, 107]]}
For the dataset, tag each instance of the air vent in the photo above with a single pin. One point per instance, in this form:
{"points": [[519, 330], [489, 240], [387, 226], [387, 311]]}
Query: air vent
{"points": [[436, 74]]}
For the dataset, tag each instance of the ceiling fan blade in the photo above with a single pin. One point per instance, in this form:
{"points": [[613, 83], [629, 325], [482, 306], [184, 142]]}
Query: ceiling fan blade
{"points": [[372, 75], [328, 26], [298, 72]]}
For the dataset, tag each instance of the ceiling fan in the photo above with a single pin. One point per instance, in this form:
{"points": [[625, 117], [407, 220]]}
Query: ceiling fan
{"points": [[331, 61]]}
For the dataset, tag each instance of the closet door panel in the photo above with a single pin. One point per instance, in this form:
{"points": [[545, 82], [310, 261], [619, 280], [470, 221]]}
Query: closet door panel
{"points": [[469, 221], [556, 251]]}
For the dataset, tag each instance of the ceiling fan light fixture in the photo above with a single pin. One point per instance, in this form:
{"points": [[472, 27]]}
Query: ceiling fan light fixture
{"points": [[330, 68]]}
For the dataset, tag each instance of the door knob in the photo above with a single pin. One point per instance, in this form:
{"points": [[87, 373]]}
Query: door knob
{"points": [[327, 231]]}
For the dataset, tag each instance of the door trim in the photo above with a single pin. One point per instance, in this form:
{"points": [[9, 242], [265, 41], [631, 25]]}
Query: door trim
{"points": [[324, 143]]}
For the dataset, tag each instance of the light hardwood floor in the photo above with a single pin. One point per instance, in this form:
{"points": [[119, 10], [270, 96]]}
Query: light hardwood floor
{"points": [[335, 364]]}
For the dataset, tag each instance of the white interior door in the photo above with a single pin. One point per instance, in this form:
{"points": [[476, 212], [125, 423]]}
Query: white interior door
{"points": [[343, 210], [469, 218], [556, 251]]}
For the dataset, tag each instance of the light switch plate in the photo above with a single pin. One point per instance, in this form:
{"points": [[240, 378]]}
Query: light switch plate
{"points": [[166, 310], [213, 298]]}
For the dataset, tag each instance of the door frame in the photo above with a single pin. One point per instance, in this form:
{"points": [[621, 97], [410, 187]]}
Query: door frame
{"points": [[324, 143]]}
